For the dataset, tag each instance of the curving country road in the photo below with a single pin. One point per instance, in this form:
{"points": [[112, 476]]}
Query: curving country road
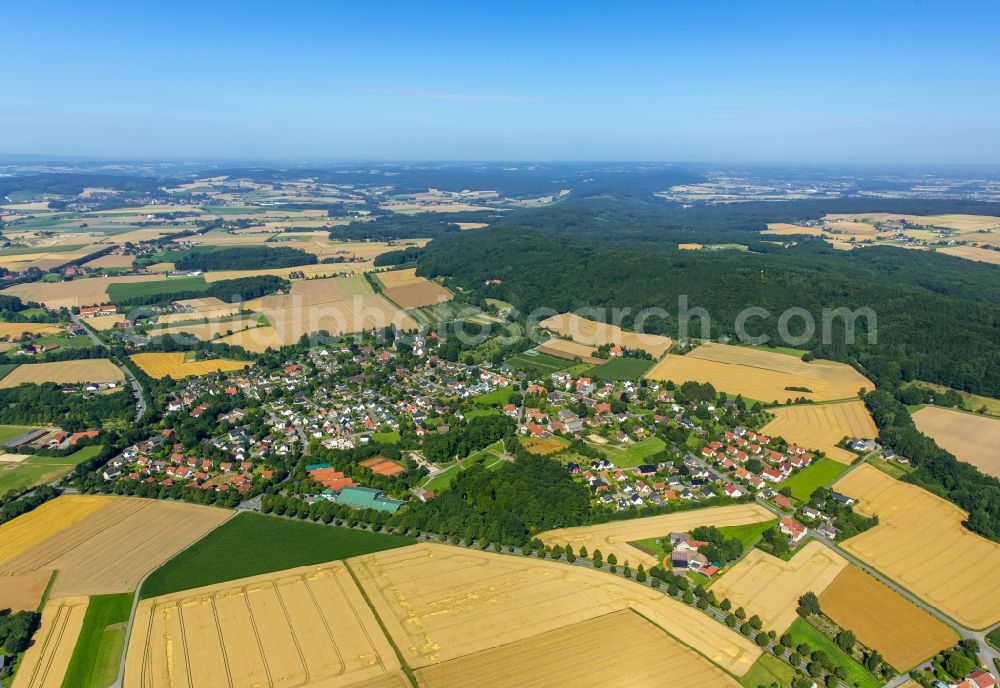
{"points": [[140, 397]]}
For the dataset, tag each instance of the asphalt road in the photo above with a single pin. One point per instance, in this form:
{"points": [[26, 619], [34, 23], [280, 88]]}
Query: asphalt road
{"points": [[140, 397]]}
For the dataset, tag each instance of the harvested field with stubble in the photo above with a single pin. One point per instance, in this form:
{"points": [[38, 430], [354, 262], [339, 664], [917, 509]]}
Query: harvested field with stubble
{"points": [[821, 426], [885, 620], [114, 546], [614, 537], [642, 652], [770, 588], [26, 531], [83, 370], [89, 291], [16, 329], [921, 544], [570, 350], [595, 334], [971, 438], [308, 626], [761, 375], [206, 331], [45, 662], [160, 365], [23, 591], [406, 290], [440, 603]]}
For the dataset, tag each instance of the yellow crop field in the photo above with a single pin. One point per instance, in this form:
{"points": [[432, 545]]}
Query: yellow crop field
{"points": [[23, 591], [821, 427], [543, 447], [595, 334], [111, 261], [971, 438], [770, 588], [46, 660], [89, 291], [15, 330], [613, 538], [206, 331], [101, 553], [784, 229], [883, 619], [983, 255], [95, 370], [159, 365], [645, 654], [27, 530], [761, 375], [301, 627], [958, 222], [439, 603], [406, 290], [105, 322], [205, 314], [921, 544], [311, 271]]}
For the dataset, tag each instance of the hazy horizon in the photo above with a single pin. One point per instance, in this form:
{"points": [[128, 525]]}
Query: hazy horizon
{"points": [[898, 83]]}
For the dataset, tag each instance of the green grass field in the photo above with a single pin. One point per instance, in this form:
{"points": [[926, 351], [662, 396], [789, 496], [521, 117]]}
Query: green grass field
{"points": [[635, 454], [24, 250], [819, 473], [391, 437], [487, 456], [38, 470], [9, 432], [768, 671], [94, 663], [994, 638], [802, 632], [497, 397], [251, 544], [129, 290], [534, 363], [747, 534], [896, 470], [973, 402], [621, 369]]}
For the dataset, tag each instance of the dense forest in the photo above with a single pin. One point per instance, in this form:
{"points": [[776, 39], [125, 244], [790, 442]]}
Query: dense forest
{"points": [[47, 405], [391, 227], [401, 257], [938, 317], [245, 258]]}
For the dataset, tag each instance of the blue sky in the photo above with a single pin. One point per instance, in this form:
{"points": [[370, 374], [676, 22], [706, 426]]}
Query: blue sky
{"points": [[799, 81]]}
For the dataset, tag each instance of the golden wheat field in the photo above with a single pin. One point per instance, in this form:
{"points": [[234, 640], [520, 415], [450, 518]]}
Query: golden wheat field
{"points": [[89, 291], [95, 370], [439, 603], [15, 330], [568, 349], [314, 271], [883, 619], [46, 660], [27, 530], [820, 427], [206, 331], [645, 654], [972, 438], [615, 537], [406, 290], [958, 222], [921, 544], [762, 375], [785, 229], [111, 261], [982, 255], [203, 314], [105, 322], [160, 365], [308, 626], [771, 588], [113, 547], [593, 333]]}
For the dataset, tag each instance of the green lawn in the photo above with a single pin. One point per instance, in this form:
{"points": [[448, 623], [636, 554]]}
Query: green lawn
{"points": [[391, 437], [442, 480], [94, 663], [621, 369], [497, 397], [896, 470], [9, 432], [802, 632], [747, 534], [994, 638], [818, 474], [476, 413], [768, 670], [250, 544], [634, 454], [38, 470], [121, 291], [534, 363]]}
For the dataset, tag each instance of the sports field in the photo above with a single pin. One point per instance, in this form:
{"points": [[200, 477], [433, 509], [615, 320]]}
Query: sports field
{"points": [[644, 653], [770, 588], [761, 375], [884, 620], [593, 333], [440, 603], [307, 626], [160, 365], [820, 427], [971, 438], [114, 545], [921, 544], [45, 661], [819, 473], [92, 370], [278, 544], [615, 537]]}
